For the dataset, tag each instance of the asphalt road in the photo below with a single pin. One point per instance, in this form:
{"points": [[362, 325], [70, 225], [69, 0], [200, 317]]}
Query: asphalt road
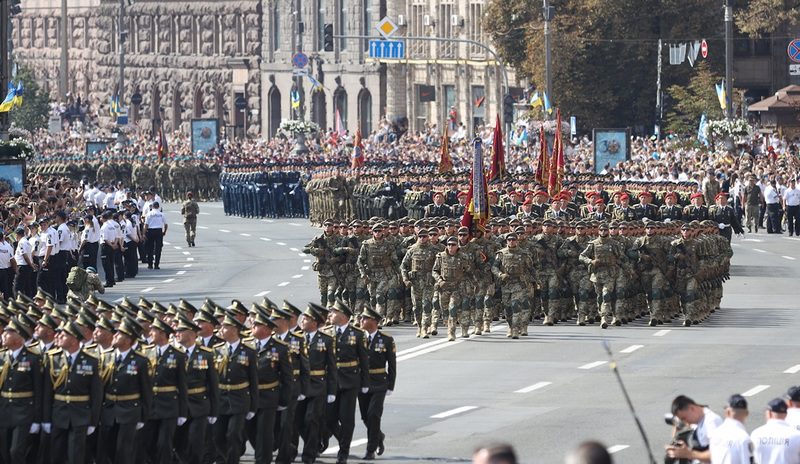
{"points": [[545, 393]]}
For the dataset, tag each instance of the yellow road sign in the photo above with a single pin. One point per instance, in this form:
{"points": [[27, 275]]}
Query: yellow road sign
{"points": [[386, 27]]}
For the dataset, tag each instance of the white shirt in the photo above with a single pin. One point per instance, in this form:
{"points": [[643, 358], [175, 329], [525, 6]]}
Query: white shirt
{"points": [[122, 354], [90, 235], [793, 417], [730, 443], [65, 241], [108, 232], [99, 198], [792, 196], [6, 253], [154, 219], [710, 422], [23, 248], [130, 232], [776, 442], [771, 195]]}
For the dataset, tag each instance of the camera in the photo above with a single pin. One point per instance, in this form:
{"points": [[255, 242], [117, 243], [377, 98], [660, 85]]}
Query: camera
{"points": [[681, 433]]}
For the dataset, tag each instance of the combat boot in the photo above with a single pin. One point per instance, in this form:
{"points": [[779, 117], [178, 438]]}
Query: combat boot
{"points": [[451, 330], [548, 321], [419, 331], [581, 320], [604, 322], [514, 326], [616, 322], [524, 319], [425, 326], [487, 327], [464, 330]]}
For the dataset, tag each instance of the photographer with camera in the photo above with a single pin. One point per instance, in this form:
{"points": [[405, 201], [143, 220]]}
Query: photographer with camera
{"points": [[730, 443], [703, 420]]}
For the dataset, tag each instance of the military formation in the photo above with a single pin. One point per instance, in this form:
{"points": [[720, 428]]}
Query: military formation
{"points": [[145, 382], [171, 178], [259, 191], [571, 257]]}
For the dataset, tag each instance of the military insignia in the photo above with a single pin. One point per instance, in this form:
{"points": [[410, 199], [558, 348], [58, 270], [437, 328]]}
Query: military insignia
{"points": [[351, 340], [132, 369], [321, 346], [242, 359], [24, 366]]}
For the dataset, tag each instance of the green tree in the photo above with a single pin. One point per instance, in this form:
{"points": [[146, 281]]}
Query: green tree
{"points": [[691, 101], [757, 17], [35, 109]]}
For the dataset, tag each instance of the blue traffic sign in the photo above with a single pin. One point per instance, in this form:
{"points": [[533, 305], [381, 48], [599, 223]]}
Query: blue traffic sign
{"points": [[794, 50], [300, 60], [387, 49]]}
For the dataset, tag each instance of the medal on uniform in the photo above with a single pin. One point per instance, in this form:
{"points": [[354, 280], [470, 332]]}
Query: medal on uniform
{"points": [[351, 340], [132, 369], [320, 346]]}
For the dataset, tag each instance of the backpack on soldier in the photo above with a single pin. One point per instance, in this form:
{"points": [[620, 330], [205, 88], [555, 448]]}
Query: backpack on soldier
{"points": [[76, 279]]}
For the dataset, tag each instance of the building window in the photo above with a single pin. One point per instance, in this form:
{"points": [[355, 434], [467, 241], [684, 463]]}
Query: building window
{"points": [[195, 33], [276, 26], [114, 35], [366, 20], [343, 27], [154, 39], [419, 48], [446, 49], [174, 36], [133, 34], [239, 34], [475, 29], [449, 100], [478, 106], [320, 24], [217, 36]]}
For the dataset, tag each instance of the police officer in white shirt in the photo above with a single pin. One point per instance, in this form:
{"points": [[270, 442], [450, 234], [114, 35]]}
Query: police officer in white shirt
{"points": [[776, 442], [730, 443], [7, 266], [156, 227], [705, 422], [90, 242], [793, 402], [49, 263], [65, 260], [131, 242], [108, 243], [119, 251], [772, 197], [25, 281], [791, 205]]}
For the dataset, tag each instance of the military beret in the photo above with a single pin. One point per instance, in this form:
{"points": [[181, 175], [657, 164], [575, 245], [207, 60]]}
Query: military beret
{"points": [[377, 227], [511, 236], [452, 241], [696, 195]]}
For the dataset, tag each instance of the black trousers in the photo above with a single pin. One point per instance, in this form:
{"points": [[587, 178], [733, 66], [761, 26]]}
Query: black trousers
{"points": [[119, 264], [89, 254], [157, 436], [7, 282], [286, 429], [308, 419], [371, 406], [793, 219], [341, 418], [65, 263], [131, 260], [25, 281], [773, 218], [190, 440], [229, 437], [154, 243], [14, 443], [47, 276], [261, 434], [116, 444], [107, 258], [68, 445]]}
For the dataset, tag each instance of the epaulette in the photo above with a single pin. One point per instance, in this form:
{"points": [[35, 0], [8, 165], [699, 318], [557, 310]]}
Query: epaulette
{"points": [[205, 348], [140, 353], [146, 346], [89, 353], [54, 351], [249, 342], [178, 347], [325, 335], [384, 334], [35, 350], [298, 334], [107, 350], [220, 345], [90, 345], [279, 341]]}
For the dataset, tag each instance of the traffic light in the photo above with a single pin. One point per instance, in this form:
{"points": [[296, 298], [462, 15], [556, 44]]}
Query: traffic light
{"points": [[508, 108], [327, 38]]}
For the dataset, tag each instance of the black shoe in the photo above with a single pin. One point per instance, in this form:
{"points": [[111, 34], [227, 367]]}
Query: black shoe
{"points": [[370, 456], [156, 267], [381, 448], [149, 266]]}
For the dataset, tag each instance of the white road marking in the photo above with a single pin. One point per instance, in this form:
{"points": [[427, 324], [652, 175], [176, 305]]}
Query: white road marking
{"points": [[616, 448], [759, 250], [245, 235], [119, 300], [297, 276], [224, 230], [354, 443], [281, 243], [186, 252], [792, 370], [662, 332], [533, 387], [788, 257], [268, 220], [265, 292], [266, 239], [177, 223], [632, 348], [752, 240], [206, 214], [301, 254], [755, 390], [189, 259], [148, 289], [283, 284], [180, 273], [187, 265], [306, 260], [305, 268], [293, 249], [421, 347], [168, 281], [178, 248], [295, 224], [429, 349], [592, 365], [453, 412], [202, 227], [167, 243]]}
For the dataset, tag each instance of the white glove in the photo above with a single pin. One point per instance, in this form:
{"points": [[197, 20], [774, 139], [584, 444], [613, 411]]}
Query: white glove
{"points": [[89, 430], [281, 408], [388, 392], [250, 415], [139, 425], [35, 427], [722, 226], [301, 397], [181, 421], [364, 390], [331, 398], [46, 427], [212, 420]]}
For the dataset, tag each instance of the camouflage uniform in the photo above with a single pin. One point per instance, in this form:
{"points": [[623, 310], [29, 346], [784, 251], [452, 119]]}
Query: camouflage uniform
{"points": [[416, 269], [652, 269], [581, 288], [602, 255], [484, 282], [683, 253], [377, 262], [321, 248], [449, 272], [545, 248], [346, 252], [511, 269], [190, 210]]}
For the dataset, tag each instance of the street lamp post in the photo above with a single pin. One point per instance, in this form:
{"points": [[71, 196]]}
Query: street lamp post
{"points": [[547, 15], [729, 58]]}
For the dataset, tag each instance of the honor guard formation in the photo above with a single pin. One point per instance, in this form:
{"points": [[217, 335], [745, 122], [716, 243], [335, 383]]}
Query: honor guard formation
{"points": [[566, 258], [149, 382]]}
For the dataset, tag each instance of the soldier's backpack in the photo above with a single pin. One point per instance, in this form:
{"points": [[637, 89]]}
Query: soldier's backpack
{"points": [[76, 279]]}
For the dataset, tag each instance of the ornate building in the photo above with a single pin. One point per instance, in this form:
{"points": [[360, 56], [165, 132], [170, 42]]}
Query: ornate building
{"points": [[186, 60]]}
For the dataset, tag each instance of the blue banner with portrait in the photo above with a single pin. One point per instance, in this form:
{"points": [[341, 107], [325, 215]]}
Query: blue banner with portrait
{"points": [[611, 147], [94, 146], [205, 134], [12, 176]]}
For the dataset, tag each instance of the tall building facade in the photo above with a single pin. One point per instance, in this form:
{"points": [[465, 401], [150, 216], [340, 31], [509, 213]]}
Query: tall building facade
{"points": [[232, 61]]}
